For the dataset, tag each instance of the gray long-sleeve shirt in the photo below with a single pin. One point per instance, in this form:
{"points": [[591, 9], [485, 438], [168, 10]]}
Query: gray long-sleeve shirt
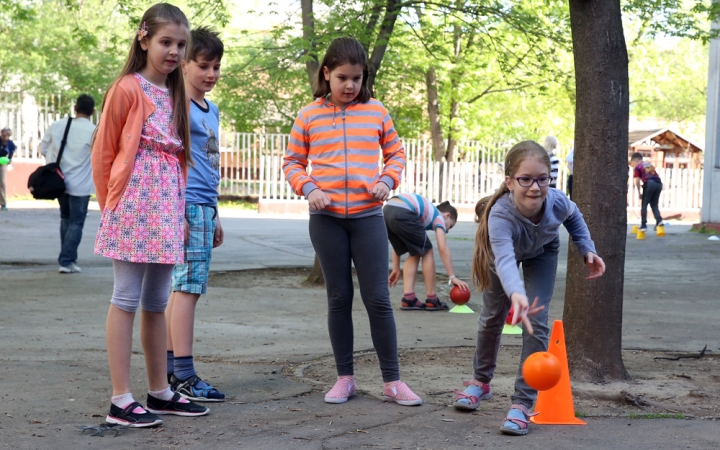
{"points": [[514, 238]]}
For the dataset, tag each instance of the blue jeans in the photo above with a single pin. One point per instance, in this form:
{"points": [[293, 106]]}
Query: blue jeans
{"points": [[651, 196], [539, 274], [73, 210]]}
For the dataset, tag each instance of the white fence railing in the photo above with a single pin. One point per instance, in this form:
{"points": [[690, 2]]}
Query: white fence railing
{"points": [[251, 163]]}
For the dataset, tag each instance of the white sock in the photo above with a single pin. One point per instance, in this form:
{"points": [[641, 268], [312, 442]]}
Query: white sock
{"points": [[166, 394], [123, 400]]}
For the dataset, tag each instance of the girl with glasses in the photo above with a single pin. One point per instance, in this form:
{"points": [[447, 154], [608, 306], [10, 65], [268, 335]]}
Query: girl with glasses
{"points": [[519, 225]]}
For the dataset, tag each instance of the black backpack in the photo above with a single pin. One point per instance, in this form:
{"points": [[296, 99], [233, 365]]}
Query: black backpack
{"points": [[48, 182]]}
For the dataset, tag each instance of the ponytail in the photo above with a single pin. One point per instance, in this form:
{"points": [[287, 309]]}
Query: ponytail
{"points": [[480, 274]]}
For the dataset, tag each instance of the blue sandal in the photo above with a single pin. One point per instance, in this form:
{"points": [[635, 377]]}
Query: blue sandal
{"points": [[469, 399], [517, 420], [412, 305]]}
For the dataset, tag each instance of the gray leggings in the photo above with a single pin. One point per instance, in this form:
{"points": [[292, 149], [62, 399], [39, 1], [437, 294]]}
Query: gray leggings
{"points": [[338, 243], [141, 283], [539, 274]]}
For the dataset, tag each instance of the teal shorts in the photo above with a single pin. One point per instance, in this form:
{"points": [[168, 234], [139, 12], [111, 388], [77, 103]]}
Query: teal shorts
{"points": [[192, 275]]}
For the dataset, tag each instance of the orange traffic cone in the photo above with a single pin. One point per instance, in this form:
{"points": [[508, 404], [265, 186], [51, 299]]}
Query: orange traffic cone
{"points": [[556, 405]]}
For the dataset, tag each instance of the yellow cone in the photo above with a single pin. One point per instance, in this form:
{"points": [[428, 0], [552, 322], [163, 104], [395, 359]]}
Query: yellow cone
{"points": [[634, 229], [660, 230], [641, 235], [511, 329]]}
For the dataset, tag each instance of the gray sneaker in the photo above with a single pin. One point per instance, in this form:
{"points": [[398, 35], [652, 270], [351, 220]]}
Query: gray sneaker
{"points": [[66, 269], [75, 268]]}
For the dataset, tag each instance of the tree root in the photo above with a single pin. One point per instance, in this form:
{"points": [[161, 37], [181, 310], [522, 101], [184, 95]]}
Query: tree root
{"points": [[626, 398], [686, 356]]}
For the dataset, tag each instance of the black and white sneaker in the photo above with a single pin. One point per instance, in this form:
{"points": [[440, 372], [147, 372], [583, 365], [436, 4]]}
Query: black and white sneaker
{"points": [[196, 390], [131, 416], [175, 406]]}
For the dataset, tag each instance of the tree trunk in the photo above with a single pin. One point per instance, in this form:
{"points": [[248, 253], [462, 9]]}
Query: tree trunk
{"points": [[392, 10], [455, 76], [593, 309], [434, 114], [316, 274], [308, 19], [451, 153]]}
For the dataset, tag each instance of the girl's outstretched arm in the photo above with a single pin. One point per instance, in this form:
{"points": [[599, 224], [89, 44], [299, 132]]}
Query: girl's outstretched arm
{"points": [[595, 264], [521, 310]]}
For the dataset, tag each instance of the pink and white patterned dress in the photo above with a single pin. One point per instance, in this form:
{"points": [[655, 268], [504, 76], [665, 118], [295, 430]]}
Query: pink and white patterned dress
{"points": [[147, 226]]}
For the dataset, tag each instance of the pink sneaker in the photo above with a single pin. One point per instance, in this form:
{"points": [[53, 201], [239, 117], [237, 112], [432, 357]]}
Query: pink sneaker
{"points": [[400, 393], [344, 388]]}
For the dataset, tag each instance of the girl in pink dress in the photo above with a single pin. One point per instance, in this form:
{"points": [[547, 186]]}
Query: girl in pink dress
{"points": [[139, 157]]}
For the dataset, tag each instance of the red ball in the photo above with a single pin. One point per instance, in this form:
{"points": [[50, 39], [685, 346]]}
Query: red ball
{"points": [[508, 319], [541, 371], [459, 296]]}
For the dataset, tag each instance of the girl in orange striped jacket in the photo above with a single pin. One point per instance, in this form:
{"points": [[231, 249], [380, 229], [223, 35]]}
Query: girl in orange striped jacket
{"points": [[341, 133]]}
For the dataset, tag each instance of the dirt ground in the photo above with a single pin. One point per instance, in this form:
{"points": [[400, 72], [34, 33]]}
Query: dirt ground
{"points": [[660, 385]]}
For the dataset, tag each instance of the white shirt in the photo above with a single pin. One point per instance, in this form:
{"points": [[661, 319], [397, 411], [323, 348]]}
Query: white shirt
{"points": [[569, 160], [75, 162]]}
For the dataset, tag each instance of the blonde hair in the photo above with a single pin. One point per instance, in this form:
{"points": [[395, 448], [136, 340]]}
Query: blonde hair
{"points": [[157, 16], [551, 143], [483, 256]]}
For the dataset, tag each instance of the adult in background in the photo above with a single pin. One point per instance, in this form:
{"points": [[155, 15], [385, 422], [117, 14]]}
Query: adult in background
{"points": [[551, 144], [7, 148], [569, 159], [75, 165]]}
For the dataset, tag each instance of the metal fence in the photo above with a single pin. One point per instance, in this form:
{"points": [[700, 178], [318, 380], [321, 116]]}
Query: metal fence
{"points": [[251, 163]]}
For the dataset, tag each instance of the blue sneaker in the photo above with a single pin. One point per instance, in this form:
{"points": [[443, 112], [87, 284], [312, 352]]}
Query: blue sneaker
{"points": [[469, 399], [196, 390]]}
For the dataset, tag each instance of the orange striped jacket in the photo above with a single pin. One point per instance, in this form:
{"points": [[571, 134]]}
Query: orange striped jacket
{"points": [[343, 147]]}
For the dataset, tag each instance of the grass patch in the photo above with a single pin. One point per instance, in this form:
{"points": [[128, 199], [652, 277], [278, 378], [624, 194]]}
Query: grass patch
{"points": [[238, 204], [656, 416], [579, 414], [704, 230]]}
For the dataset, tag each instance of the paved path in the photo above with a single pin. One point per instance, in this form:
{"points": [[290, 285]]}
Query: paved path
{"points": [[53, 352]]}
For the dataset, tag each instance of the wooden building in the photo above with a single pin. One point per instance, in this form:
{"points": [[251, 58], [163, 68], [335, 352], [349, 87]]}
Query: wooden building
{"points": [[665, 148]]}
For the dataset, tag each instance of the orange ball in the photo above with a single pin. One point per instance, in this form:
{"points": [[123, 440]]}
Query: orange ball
{"points": [[541, 371], [459, 296]]}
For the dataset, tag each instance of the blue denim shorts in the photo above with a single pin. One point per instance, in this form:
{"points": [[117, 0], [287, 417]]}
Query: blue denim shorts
{"points": [[192, 275]]}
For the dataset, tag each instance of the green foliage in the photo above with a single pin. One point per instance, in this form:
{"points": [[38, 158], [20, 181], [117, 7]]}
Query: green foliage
{"points": [[504, 69], [67, 47]]}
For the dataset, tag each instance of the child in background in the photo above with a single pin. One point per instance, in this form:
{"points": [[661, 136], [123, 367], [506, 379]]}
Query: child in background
{"points": [[201, 70], [407, 218], [519, 225], [140, 156], [340, 134], [651, 188]]}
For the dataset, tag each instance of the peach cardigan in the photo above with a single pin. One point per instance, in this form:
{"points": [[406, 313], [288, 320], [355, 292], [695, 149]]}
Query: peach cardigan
{"points": [[117, 140]]}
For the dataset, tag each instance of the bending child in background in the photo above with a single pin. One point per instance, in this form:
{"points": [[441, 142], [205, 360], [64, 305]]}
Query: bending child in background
{"points": [[407, 218], [340, 133], [519, 225], [140, 156], [203, 231], [651, 188]]}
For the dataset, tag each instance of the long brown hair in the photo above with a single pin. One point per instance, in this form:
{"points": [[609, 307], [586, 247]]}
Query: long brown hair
{"points": [[483, 252], [343, 50], [157, 16]]}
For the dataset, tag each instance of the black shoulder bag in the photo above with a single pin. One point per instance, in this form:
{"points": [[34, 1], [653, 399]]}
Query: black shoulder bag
{"points": [[48, 181]]}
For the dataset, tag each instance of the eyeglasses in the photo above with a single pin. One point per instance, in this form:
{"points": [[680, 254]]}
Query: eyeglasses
{"points": [[528, 181]]}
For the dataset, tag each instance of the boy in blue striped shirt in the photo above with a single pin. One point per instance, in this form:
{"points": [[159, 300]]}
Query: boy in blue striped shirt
{"points": [[408, 217]]}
